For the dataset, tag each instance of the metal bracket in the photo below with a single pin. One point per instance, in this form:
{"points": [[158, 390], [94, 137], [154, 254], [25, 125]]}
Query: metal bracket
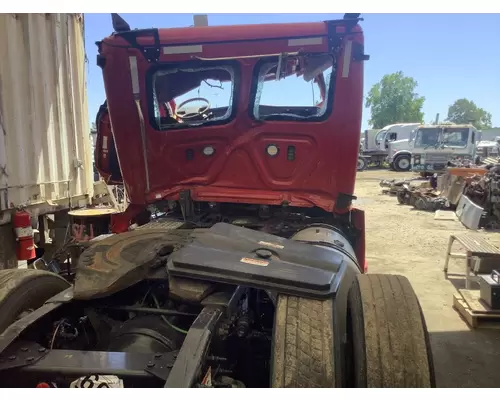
{"points": [[186, 204], [150, 53], [161, 365], [194, 349], [344, 200], [32, 358], [227, 300], [22, 354], [335, 39]]}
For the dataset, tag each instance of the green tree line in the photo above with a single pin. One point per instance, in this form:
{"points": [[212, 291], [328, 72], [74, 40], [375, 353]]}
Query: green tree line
{"points": [[395, 99]]}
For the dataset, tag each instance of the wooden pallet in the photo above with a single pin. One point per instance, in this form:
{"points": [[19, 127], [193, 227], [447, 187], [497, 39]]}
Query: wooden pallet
{"points": [[475, 312]]}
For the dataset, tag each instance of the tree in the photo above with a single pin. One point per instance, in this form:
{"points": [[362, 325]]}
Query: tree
{"points": [[464, 111], [394, 100]]}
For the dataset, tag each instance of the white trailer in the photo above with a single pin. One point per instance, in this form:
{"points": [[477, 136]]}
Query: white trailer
{"points": [[45, 147]]}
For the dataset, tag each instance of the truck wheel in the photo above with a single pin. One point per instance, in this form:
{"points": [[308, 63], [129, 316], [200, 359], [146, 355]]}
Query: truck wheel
{"points": [[388, 339], [302, 353], [361, 164], [402, 163], [22, 290]]}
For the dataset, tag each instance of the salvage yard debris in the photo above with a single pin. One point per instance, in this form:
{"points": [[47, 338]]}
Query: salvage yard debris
{"points": [[417, 193], [484, 191], [466, 189]]}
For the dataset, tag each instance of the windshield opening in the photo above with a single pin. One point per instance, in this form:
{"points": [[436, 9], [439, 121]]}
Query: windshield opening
{"points": [[192, 97], [442, 137], [427, 137], [293, 88], [455, 137], [380, 136]]}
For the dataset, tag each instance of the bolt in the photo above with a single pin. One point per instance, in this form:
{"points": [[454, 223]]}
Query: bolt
{"points": [[151, 364], [175, 356], [24, 349], [12, 358], [263, 253], [30, 359], [42, 349], [157, 355], [169, 365]]}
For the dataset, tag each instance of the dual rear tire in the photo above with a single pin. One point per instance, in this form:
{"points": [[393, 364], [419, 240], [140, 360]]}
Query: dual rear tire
{"points": [[387, 339], [387, 347], [23, 290]]}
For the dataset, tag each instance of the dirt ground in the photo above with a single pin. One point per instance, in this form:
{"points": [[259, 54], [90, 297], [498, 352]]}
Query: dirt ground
{"points": [[401, 240]]}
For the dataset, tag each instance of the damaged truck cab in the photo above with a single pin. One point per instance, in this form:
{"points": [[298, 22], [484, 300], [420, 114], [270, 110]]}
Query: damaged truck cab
{"points": [[240, 261], [260, 138]]}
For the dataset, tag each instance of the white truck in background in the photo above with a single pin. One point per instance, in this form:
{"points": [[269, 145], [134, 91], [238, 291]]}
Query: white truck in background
{"points": [[45, 148], [381, 148]]}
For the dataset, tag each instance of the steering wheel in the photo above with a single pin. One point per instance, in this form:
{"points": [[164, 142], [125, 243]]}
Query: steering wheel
{"points": [[183, 114]]}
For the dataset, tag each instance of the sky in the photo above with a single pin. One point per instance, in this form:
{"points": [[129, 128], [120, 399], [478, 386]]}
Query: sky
{"points": [[451, 56]]}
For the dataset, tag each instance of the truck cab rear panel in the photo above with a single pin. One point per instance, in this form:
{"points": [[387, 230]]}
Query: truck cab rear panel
{"points": [[241, 158]]}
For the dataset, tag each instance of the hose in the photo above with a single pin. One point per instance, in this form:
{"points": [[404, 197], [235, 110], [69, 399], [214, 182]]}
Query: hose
{"points": [[176, 328]]}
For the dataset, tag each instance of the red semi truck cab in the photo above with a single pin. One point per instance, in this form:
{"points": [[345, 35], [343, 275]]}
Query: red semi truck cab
{"points": [[252, 114]]}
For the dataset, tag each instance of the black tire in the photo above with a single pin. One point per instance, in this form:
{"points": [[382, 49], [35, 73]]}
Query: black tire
{"points": [[362, 163], [302, 354], [389, 342], [24, 289], [401, 195], [402, 163], [420, 204]]}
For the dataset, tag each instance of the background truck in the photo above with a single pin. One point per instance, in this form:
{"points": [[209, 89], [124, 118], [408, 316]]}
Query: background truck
{"points": [[45, 147], [377, 150], [399, 154], [368, 139], [435, 145]]}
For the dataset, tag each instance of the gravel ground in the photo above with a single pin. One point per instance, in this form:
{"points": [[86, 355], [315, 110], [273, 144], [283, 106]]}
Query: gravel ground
{"points": [[401, 240]]}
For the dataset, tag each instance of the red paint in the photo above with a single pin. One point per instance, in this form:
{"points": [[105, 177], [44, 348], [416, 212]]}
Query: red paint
{"points": [[240, 171], [120, 222], [25, 249]]}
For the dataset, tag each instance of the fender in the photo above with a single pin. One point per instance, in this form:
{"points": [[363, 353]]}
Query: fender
{"points": [[391, 158]]}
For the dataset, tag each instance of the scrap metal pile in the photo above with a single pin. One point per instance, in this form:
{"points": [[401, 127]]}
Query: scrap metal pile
{"points": [[462, 162], [484, 190], [421, 196]]}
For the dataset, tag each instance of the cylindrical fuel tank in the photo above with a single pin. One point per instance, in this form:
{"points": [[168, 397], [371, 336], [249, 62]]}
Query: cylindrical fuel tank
{"points": [[329, 237]]}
